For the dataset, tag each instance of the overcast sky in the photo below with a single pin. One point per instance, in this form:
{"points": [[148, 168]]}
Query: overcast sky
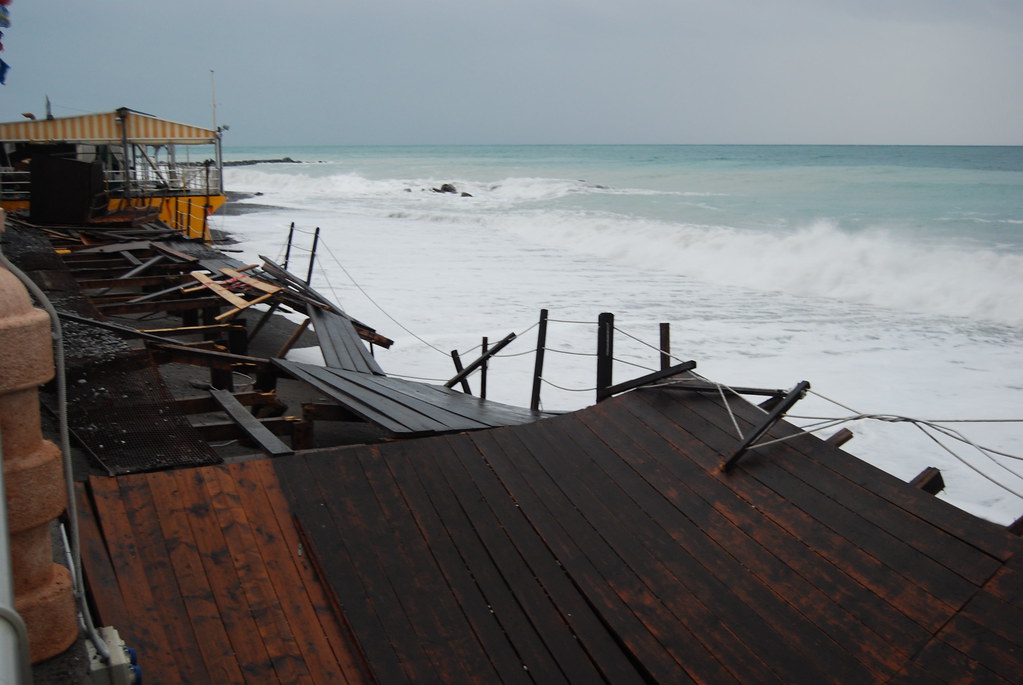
{"points": [[532, 71]]}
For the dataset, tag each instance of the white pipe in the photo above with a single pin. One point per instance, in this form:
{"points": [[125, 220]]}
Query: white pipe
{"points": [[15, 668]]}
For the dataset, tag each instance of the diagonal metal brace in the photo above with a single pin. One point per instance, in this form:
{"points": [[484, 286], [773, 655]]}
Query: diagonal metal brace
{"points": [[772, 418]]}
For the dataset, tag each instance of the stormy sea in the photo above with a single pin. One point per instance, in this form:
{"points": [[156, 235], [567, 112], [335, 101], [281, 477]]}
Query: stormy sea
{"points": [[889, 277]]}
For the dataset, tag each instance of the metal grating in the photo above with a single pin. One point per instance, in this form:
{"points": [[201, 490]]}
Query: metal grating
{"points": [[122, 412]]}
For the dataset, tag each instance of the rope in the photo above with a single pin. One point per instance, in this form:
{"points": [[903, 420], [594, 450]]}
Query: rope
{"points": [[974, 468], [376, 304], [417, 378], [922, 425], [731, 415], [569, 352], [646, 344], [561, 387]]}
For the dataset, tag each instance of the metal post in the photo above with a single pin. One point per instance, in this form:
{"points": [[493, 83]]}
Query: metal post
{"points": [[312, 256], [665, 345], [287, 250], [605, 351], [457, 359], [483, 369], [541, 344], [206, 236]]}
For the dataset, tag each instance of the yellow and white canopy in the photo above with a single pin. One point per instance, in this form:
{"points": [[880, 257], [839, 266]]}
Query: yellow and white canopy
{"points": [[106, 128]]}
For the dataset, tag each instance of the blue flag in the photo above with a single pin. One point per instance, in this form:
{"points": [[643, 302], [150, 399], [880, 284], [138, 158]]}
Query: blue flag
{"points": [[4, 66]]}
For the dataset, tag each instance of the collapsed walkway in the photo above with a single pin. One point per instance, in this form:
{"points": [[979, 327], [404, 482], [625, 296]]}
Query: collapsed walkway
{"points": [[605, 545]]}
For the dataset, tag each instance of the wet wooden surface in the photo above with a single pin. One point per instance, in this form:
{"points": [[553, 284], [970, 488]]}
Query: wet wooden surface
{"points": [[600, 546], [407, 407]]}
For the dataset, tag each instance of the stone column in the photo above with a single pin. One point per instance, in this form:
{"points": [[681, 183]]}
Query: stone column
{"points": [[33, 474]]}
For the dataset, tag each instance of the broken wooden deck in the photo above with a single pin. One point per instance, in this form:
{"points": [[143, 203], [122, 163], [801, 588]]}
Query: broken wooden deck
{"points": [[605, 545], [404, 407]]}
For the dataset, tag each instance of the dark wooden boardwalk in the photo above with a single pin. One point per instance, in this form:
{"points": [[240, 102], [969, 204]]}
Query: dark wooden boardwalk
{"points": [[599, 546], [406, 407]]}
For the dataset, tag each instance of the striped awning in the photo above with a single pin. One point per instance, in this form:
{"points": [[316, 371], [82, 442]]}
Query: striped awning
{"points": [[106, 128]]}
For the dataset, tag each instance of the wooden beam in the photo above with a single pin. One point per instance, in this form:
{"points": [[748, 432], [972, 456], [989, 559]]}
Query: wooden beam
{"points": [[134, 282], [202, 404], [840, 437], [929, 480], [229, 430], [318, 411], [192, 303], [236, 300], [251, 281], [772, 418], [267, 441], [604, 393], [504, 342]]}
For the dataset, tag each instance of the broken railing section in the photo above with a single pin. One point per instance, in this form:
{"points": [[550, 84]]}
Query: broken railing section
{"points": [[774, 416], [463, 373], [605, 360]]}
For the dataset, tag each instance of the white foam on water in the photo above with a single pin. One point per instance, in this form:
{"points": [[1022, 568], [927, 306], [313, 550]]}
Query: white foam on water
{"points": [[874, 319]]}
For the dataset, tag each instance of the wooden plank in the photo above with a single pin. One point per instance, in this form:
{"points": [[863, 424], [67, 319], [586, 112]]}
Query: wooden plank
{"points": [[473, 578], [251, 281], [989, 537], [116, 247], [237, 310], [699, 585], [221, 291], [260, 595], [267, 441], [364, 528], [802, 519], [214, 645], [681, 527], [231, 605], [509, 542], [327, 646], [823, 591], [135, 282], [437, 619], [326, 384], [447, 408], [172, 253], [100, 575], [192, 303], [146, 632], [364, 603], [667, 651], [405, 406], [155, 561], [950, 567], [340, 343]]}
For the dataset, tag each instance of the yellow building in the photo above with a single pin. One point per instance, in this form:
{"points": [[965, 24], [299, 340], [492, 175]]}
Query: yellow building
{"points": [[133, 159]]}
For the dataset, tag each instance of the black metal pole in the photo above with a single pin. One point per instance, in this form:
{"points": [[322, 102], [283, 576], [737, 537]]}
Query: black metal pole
{"points": [[287, 250], [665, 345], [483, 368], [312, 256], [541, 344], [605, 352]]}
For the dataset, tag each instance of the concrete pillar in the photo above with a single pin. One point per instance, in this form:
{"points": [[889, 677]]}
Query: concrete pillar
{"points": [[33, 474]]}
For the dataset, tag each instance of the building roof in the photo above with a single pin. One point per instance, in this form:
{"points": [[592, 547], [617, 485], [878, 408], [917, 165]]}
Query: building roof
{"points": [[604, 545], [106, 127]]}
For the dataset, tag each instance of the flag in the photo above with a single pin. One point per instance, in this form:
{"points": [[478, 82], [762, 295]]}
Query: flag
{"points": [[4, 66]]}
